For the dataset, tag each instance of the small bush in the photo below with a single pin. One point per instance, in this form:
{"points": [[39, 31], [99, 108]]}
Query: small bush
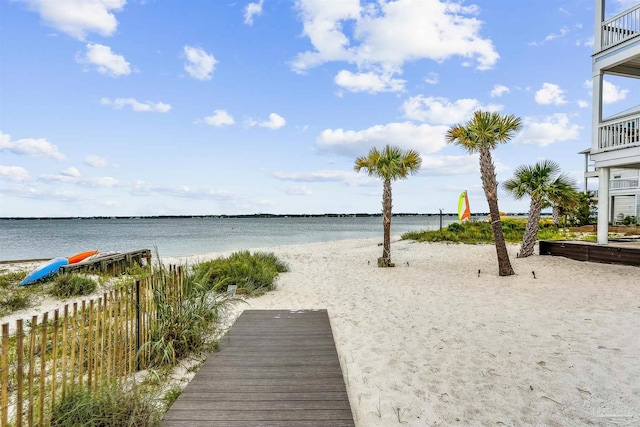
{"points": [[250, 273], [108, 406], [13, 300], [70, 285], [8, 279]]}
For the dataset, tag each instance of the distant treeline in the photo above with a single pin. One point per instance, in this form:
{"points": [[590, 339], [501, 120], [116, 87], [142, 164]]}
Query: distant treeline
{"points": [[260, 215]]}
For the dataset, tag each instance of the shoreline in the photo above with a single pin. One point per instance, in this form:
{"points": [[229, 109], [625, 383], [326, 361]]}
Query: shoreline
{"points": [[435, 343]]}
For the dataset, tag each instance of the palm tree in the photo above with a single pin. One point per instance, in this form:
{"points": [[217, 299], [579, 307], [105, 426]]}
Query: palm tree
{"points": [[563, 198], [480, 135], [390, 164], [543, 182]]}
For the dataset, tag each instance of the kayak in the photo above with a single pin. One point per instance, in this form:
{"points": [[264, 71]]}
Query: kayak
{"points": [[45, 270], [73, 259]]}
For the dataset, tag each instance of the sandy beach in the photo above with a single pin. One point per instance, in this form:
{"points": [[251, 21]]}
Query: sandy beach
{"points": [[434, 343], [441, 340]]}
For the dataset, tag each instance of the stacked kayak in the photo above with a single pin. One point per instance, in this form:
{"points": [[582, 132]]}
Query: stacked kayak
{"points": [[53, 266]]}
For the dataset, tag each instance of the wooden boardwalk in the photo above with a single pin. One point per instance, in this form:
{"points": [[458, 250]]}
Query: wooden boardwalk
{"points": [[625, 253], [276, 368]]}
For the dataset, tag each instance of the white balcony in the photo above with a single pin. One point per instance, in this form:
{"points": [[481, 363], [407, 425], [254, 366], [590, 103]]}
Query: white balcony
{"points": [[624, 183], [620, 28], [620, 132]]}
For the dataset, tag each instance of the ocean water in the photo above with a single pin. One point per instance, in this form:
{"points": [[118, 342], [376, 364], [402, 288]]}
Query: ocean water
{"points": [[32, 239]]}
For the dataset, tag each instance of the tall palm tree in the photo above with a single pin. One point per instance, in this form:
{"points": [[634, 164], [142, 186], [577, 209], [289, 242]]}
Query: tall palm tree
{"points": [[543, 182], [390, 164], [480, 135]]}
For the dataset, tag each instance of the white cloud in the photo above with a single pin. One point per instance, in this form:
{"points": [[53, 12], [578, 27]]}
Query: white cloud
{"points": [[499, 90], [610, 92], [71, 171], [200, 64], [78, 18], [550, 94], [14, 173], [368, 82], [252, 9], [137, 106], [96, 161], [142, 188], [432, 78], [298, 190], [346, 177], [387, 34], [105, 61], [583, 104], [449, 165], [563, 32], [442, 111], [275, 122], [219, 118], [549, 130], [422, 138], [30, 147]]}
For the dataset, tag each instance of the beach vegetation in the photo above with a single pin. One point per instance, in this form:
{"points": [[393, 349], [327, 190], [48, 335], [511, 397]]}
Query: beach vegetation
{"points": [[482, 134], [71, 285], [544, 184], [480, 232], [12, 296], [389, 165], [112, 405], [252, 274], [585, 210]]}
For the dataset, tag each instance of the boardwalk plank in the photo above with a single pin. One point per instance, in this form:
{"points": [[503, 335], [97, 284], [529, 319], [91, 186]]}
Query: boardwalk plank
{"points": [[275, 368]]}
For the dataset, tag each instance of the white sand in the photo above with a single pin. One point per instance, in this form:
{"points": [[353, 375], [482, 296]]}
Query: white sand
{"points": [[439, 345], [434, 344]]}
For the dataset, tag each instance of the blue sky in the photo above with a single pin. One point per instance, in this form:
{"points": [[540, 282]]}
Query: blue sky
{"points": [[155, 107]]}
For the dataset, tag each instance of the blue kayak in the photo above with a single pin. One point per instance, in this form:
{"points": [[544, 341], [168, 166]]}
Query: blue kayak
{"points": [[45, 270]]}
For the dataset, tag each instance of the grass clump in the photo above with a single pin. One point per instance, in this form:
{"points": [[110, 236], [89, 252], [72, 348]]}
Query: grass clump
{"points": [[109, 406], [71, 285], [12, 296], [475, 232], [253, 274]]}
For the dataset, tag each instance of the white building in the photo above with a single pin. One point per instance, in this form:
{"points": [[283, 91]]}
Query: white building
{"points": [[615, 143]]}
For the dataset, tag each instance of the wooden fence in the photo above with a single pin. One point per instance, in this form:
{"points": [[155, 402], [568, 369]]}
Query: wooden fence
{"points": [[85, 344]]}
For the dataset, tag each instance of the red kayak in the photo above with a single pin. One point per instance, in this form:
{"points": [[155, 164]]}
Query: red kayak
{"points": [[73, 259]]}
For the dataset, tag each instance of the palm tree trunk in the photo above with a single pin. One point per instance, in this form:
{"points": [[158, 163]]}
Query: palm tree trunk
{"points": [[385, 261], [490, 186], [556, 215], [531, 230]]}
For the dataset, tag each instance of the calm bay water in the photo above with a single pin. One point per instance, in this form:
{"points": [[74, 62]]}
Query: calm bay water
{"points": [[27, 239]]}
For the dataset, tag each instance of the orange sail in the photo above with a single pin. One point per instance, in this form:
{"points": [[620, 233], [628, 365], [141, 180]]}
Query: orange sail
{"points": [[463, 207]]}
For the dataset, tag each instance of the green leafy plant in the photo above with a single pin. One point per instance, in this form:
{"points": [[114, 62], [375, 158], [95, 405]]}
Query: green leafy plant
{"points": [[111, 405], [251, 273], [70, 285]]}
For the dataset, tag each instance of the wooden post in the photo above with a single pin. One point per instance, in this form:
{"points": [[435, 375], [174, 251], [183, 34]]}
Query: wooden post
{"points": [[138, 323], [54, 358], [5, 374], [20, 371], [32, 361], [74, 337], [43, 364], [65, 348], [81, 347]]}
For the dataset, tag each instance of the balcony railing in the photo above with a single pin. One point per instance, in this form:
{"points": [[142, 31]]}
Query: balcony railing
{"points": [[624, 183], [621, 27], [619, 133]]}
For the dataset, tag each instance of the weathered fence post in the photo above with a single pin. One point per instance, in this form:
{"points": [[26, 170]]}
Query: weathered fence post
{"points": [[137, 324]]}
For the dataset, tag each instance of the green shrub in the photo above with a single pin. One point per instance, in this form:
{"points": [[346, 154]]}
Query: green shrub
{"points": [[480, 232], [8, 279], [108, 406], [251, 274], [13, 300], [70, 285]]}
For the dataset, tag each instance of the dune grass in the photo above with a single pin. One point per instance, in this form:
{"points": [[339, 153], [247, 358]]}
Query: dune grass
{"points": [[477, 232]]}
